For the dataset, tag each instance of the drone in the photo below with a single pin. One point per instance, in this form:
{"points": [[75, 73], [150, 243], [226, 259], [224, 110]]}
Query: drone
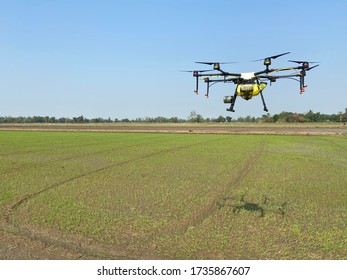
{"points": [[253, 83]]}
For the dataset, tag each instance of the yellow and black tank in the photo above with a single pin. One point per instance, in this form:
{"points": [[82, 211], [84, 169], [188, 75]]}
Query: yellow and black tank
{"points": [[247, 91]]}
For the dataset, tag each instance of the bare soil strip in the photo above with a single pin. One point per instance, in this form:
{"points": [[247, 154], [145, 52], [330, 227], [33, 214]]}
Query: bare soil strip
{"points": [[267, 129]]}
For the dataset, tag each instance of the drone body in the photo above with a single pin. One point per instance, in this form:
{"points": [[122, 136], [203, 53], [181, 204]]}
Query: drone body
{"points": [[251, 84]]}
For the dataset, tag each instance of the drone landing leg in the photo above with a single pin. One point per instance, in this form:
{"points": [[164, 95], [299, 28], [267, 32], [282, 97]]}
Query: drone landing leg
{"points": [[231, 109], [262, 99], [197, 86]]}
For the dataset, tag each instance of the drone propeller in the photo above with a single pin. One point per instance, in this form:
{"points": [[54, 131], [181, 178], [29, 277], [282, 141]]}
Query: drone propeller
{"points": [[196, 72], [216, 65], [267, 60], [308, 69], [270, 57], [192, 71], [212, 63], [304, 64], [275, 56], [302, 61]]}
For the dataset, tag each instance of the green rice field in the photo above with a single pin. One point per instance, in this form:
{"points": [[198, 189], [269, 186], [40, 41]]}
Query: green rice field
{"points": [[104, 195]]}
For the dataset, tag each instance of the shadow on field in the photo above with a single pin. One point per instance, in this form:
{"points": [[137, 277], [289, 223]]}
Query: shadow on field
{"points": [[242, 205]]}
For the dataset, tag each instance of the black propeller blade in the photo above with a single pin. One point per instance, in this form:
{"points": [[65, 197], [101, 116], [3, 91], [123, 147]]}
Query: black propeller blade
{"points": [[192, 71], [308, 69], [271, 57], [212, 63], [302, 61], [275, 56], [304, 64]]}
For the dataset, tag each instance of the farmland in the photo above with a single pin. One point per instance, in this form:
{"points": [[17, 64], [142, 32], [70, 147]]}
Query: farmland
{"points": [[97, 195]]}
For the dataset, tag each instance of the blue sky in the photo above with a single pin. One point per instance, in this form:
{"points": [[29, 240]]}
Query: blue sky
{"points": [[121, 59]]}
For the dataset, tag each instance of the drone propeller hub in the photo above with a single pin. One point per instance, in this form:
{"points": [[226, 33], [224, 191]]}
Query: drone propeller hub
{"points": [[267, 61], [216, 66], [304, 64]]}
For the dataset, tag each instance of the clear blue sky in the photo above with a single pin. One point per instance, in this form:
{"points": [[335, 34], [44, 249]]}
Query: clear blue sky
{"points": [[121, 59]]}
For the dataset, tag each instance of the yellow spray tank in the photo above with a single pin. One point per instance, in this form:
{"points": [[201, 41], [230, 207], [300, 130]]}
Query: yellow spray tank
{"points": [[247, 91]]}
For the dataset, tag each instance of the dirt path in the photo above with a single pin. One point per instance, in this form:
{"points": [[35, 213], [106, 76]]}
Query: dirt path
{"points": [[268, 129]]}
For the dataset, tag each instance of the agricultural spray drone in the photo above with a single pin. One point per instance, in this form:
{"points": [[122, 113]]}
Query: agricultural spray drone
{"points": [[253, 83]]}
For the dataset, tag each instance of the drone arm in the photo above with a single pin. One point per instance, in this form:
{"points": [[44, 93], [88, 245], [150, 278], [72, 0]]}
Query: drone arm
{"points": [[222, 80], [224, 74], [301, 80], [262, 72], [274, 78], [277, 70]]}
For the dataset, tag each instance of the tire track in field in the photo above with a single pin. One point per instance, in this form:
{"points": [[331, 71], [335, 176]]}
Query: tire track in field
{"points": [[211, 208], [83, 248], [15, 206], [60, 247]]}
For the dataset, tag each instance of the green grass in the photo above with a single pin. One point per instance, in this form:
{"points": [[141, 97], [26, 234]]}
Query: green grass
{"points": [[174, 196]]}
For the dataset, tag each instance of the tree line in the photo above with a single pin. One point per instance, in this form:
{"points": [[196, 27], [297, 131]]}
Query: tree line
{"points": [[286, 117]]}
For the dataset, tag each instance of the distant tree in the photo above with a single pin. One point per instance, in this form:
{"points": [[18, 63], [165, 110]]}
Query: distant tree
{"points": [[248, 119], [310, 116], [297, 118], [161, 120], [313, 117], [173, 120], [194, 117], [220, 119], [79, 119], [228, 118], [275, 118], [343, 117], [266, 118]]}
